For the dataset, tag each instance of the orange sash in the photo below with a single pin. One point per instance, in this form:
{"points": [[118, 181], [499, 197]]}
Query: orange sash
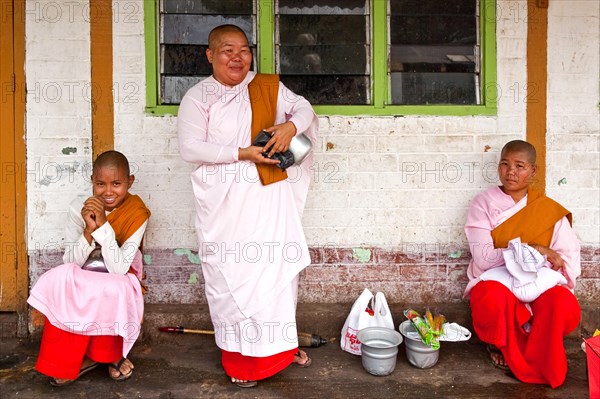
{"points": [[263, 92], [126, 219], [534, 223]]}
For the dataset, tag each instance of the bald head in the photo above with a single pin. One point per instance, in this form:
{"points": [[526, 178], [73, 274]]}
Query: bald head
{"points": [[114, 159], [214, 36], [520, 146]]}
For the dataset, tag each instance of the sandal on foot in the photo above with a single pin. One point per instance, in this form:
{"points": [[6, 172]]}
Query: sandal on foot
{"points": [[495, 355], [244, 383], [55, 383], [121, 376], [304, 364]]}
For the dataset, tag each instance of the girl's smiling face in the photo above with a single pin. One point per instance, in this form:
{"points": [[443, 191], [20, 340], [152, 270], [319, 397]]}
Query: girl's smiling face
{"points": [[111, 184]]}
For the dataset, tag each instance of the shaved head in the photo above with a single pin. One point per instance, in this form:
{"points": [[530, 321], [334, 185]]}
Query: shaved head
{"points": [[520, 146], [215, 35], [114, 159]]}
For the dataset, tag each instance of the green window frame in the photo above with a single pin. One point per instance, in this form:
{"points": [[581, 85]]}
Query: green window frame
{"points": [[380, 85]]}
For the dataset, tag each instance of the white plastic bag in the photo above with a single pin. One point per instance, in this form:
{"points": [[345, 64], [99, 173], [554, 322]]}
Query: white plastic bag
{"points": [[367, 311], [454, 332]]}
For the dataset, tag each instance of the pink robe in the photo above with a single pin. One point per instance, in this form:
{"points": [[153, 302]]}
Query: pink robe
{"points": [[250, 235], [491, 208], [531, 346], [92, 303]]}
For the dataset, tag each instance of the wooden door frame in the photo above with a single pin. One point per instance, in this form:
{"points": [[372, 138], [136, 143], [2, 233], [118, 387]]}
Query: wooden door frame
{"points": [[101, 59], [537, 85], [14, 11]]}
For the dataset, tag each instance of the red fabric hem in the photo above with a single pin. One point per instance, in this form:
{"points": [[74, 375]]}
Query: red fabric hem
{"points": [[62, 352], [253, 368], [536, 357]]}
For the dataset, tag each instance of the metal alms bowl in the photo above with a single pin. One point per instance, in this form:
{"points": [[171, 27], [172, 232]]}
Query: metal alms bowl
{"points": [[379, 349], [418, 354], [300, 146]]}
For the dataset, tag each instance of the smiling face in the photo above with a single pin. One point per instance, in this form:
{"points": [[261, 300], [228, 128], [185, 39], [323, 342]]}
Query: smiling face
{"points": [[230, 56], [111, 184], [516, 172]]}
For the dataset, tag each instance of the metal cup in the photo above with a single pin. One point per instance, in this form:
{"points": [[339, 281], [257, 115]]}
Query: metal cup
{"points": [[300, 146]]}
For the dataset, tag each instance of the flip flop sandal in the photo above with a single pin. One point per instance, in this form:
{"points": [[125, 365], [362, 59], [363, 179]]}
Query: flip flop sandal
{"points": [[244, 384], [117, 367], [306, 363], [493, 351], [55, 383]]}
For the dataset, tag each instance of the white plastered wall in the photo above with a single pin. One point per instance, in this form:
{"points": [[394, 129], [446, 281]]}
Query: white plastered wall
{"points": [[379, 181]]}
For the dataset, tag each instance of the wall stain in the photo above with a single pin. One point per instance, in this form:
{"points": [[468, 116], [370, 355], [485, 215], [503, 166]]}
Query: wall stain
{"points": [[69, 150], [192, 257], [455, 254], [193, 278], [362, 255], [486, 148], [40, 208], [147, 259], [329, 146], [562, 181]]}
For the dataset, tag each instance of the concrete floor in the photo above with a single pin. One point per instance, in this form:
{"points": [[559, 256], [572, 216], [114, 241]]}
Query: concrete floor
{"points": [[188, 366]]}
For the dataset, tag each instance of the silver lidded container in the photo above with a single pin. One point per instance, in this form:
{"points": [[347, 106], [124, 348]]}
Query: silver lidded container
{"points": [[300, 146]]}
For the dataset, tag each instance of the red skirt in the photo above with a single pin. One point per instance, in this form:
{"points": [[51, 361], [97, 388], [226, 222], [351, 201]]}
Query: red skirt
{"points": [[537, 357], [252, 368], [62, 352]]}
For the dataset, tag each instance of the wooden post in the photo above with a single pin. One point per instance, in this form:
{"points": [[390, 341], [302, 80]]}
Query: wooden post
{"points": [[101, 55], [537, 81]]}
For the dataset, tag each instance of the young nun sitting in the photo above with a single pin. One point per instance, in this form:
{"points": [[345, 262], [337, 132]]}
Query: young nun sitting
{"points": [[93, 302], [504, 224]]}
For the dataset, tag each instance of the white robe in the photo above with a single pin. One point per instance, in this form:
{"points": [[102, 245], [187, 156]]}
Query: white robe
{"points": [[251, 238]]}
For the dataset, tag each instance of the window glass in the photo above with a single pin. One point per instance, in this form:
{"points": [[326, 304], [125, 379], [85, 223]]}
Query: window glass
{"points": [[322, 49], [349, 56], [183, 39], [434, 51]]}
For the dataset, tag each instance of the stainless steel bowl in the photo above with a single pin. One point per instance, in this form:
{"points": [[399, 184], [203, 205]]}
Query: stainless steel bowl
{"points": [[300, 146]]}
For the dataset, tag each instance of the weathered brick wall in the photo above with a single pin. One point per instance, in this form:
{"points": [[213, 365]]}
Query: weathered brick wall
{"points": [[389, 195], [338, 275]]}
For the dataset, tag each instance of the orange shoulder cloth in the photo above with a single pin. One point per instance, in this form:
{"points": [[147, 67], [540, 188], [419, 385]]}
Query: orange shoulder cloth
{"points": [[263, 91], [534, 223], [128, 217]]}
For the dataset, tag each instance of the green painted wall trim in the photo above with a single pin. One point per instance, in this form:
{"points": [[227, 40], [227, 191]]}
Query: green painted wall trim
{"points": [[379, 59], [488, 53], [150, 43], [379, 64], [398, 110], [266, 36]]}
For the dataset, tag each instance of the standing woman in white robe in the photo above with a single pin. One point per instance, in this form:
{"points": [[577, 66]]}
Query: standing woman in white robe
{"points": [[251, 238]]}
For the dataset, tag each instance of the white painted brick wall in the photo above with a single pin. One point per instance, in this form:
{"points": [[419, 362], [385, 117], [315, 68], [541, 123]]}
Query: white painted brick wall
{"points": [[381, 181], [573, 122], [58, 115]]}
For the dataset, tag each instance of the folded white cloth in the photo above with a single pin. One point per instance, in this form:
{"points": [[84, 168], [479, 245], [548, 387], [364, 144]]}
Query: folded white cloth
{"points": [[526, 272]]}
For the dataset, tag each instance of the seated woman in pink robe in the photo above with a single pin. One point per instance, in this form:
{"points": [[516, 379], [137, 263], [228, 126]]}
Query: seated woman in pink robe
{"points": [[526, 338], [95, 317]]}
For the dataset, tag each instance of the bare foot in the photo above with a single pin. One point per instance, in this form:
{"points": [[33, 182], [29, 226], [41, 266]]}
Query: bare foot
{"points": [[243, 383], [301, 359], [497, 357], [120, 370]]}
